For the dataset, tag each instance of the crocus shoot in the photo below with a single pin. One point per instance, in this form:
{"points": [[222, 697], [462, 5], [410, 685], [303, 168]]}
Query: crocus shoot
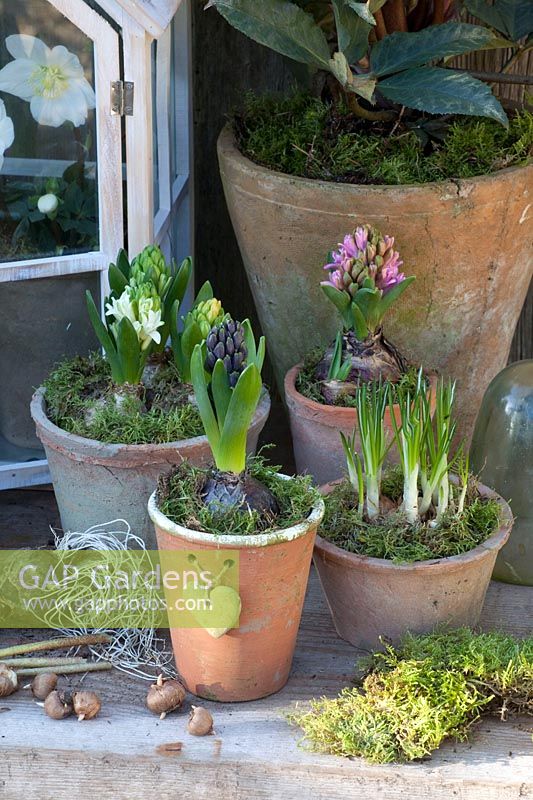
{"points": [[364, 281], [226, 376]]}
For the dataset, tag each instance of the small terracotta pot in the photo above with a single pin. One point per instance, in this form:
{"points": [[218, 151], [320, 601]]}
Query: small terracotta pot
{"points": [[316, 429], [371, 598], [253, 660], [95, 482]]}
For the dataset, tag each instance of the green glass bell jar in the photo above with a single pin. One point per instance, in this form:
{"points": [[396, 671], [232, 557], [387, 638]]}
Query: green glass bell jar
{"points": [[502, 455]]}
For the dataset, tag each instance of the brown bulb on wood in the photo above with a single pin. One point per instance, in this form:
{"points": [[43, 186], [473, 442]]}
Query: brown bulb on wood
{"points": [[58, 705], [200, 721], [8, 681], [86, 705], [164, 696], [43, 684]]}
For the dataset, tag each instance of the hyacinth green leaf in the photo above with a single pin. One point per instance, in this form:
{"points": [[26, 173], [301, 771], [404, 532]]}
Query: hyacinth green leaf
{"points": [[175, 339], [123, 263], [336, 358], [367, 300], [340, 299], [280, 25], [358, 322], [188, 339], [203, 400], [104, 338], [261, 353], [129, 351], [221, 391], [393, 294], [204, 293], [443, 91], [400, 51], [514, 18], [249, 341], [179, 285], [117, 279], [352, 30], [231, 453]]}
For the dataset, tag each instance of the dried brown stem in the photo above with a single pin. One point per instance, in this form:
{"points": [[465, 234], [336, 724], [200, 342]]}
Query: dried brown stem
{"points": [[438, 12], [55, 644], [394, 16], [381, 28], [69, 669], [22, 663]]}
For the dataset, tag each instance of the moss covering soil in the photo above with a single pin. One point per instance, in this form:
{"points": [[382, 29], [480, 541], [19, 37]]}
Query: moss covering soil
{"points": [[79, 399], [179, 499], [302, 135], [390, 537], [414, 697]]}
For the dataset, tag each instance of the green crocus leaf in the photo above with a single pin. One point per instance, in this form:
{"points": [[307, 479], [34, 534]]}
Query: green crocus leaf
{"points": [[280, 25], [203, 400], [514, 18], [231, 453], [442, 91], [352, 30], [400, 51], [221, 391]]}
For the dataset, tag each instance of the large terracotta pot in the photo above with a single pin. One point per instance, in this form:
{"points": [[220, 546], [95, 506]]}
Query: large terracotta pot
{"points": [[96, 482], [253, 660], [371, 598], [316, 429], [468, 242]]}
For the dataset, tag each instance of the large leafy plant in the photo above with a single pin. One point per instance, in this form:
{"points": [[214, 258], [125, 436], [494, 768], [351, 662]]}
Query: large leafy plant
{"points": [[388, 51]]}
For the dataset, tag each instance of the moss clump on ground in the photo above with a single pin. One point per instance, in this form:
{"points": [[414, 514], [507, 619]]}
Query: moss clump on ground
{"points": [[302, 135], [390, 537], [414, 697], [77, 391], [308, 385], [179, 499]]}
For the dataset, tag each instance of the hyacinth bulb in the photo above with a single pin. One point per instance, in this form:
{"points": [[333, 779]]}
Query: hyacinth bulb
{"points": [[226, 342], [363, 254]]}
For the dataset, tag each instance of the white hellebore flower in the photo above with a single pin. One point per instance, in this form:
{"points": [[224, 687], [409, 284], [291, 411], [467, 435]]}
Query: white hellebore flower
{"points": [[51, 80], [7, 132], [47, 203]]}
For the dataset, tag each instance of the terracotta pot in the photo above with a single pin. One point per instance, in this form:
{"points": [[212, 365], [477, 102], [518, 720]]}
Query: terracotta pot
{"points": [[371, 598], [468, 242], [316, 430], [96, 482], [253, 660]]}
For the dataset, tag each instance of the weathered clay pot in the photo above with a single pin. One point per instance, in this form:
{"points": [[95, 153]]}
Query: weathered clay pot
{"points": [[371, 598], [316, 430], [468, 242], [96, 482], [253, 660]]}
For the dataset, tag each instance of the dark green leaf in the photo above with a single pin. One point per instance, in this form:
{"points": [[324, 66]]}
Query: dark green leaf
{"points": [[442, 91], [104, 338], [279, 25], [123, 263], [117, 279], [514, 18], [401, 51], [205, 293], [352, 30]]}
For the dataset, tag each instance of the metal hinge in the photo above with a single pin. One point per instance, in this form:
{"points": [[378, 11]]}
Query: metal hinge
{"points": [[122, 98]]}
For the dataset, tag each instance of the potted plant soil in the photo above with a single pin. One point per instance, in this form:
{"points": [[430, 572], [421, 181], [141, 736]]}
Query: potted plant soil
{"points": [[383, 136], [364, 282], [111, 423], [270, 519], [410, 549]]}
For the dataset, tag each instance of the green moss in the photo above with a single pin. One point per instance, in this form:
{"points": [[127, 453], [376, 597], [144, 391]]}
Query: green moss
{"points": [[414, 697], [309, 386], [76, 393], [390, 537], [179, 499], [301, 135]]}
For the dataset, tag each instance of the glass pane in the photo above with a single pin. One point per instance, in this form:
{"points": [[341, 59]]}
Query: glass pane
{"points": [[48, 182]]}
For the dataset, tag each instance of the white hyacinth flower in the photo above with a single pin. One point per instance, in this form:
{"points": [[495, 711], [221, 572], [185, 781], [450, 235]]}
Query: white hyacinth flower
{"points": [[122, 307], [144, 314], [7, 132], [47, 203], [150, 320], [51, 80]]}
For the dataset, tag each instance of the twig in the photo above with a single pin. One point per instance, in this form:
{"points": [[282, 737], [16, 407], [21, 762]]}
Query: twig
{"points": [[55, 644], [98, 666], [13, 663]]}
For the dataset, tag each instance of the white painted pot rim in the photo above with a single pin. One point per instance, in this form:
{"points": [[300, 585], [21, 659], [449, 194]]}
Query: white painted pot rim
{"points": [[236, 541]]}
